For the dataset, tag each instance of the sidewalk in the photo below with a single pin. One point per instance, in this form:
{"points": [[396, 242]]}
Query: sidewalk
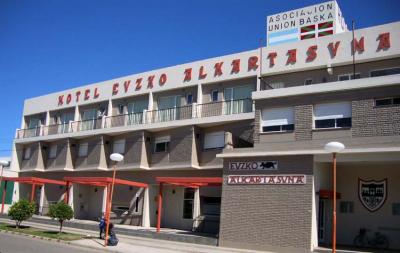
{"points": [[133, 244]]}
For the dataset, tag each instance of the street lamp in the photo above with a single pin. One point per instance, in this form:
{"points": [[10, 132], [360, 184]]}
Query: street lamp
{"points": [[334, 148], [116, 158], [3, 163]]}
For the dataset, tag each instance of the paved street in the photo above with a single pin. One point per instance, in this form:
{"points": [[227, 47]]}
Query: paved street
{"points": [[10, 243]]}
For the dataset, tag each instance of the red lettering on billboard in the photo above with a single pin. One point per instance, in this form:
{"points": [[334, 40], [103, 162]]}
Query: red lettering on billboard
{"points": [[292, 56], [114, 89], [252, 63], [188, 75], [150, 80], [61, 100], [96, 93], [311, 53], [333, 48], [138, 83], [126, 85], [202, 74], [235, 66], [87, 94], [78, 94], [384, 41], [218, 68], [162, 80], [358, 45], [69, 98], [271, 57]]}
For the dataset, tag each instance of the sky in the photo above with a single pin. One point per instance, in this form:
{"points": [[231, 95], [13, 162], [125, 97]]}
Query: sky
{"points": [[52, 45]]}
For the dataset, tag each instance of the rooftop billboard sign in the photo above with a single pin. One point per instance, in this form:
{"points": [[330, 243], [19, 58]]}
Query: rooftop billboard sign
{"points": [[306, 23]]}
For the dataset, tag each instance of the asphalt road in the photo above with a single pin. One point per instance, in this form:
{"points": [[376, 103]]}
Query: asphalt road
{"points": [[10, 243]]}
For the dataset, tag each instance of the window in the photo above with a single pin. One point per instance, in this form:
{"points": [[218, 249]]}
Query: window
{"points": [[277, 119], [27, 153], [385, 72], [189, 99], [346, 77], [214, 140], [277, 85], [52, 151], [214, 96], [346, 206], [83, 149], [396, 208], [188, 203], [387, 101], [161, 144], [332, 115], [119, 146], [121, 109], [308, 81]]}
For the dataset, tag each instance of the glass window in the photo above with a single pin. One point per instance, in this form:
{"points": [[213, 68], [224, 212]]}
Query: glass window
{"points": [[350, 76], [346, 206], [385, 72], [52, 151], [214, 96], [188, 202], [119, 146], [215, 140], [277, 119], [83, 149], [161, 144], [332, 115], [189, 99], [27, 153], [387, 101], [308, 81]]}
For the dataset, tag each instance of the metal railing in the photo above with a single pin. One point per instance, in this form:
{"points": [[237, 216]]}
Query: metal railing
{"points": [[145, 117]]}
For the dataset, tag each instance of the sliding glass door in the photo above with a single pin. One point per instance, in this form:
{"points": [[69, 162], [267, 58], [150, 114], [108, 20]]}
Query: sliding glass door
{"points": [[88, 119], [135, 112], [168, 108], [237, 99]]}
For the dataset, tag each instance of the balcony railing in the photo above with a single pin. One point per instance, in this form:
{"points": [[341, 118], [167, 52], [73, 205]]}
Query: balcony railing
{"points": [[145, 117]]}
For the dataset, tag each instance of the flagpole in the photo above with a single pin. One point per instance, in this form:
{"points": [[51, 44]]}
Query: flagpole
{"points": [[353, 50]]}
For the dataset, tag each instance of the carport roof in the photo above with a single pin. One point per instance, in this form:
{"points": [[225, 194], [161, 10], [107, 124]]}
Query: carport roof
{"points": [[103, 181], [34, 180]]}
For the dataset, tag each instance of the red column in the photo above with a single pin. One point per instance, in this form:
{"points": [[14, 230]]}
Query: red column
{"points": [[159, 207], [334, 206], [33, 192], [3, 197]]}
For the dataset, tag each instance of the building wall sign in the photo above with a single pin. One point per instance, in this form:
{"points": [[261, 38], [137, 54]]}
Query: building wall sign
{"points": [[266, 179], [372, 193], [253, 165], [306, 23]]}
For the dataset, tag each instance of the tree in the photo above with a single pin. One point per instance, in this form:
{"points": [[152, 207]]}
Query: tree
{"points": [[21, 210], [61, 211]]}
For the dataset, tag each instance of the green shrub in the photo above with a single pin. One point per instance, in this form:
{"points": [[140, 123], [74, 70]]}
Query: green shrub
{"points": [[61, 211], [21, 210]]}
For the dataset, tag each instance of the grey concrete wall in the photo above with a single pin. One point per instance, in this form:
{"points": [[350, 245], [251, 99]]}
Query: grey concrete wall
{"points": [[268, 217]]}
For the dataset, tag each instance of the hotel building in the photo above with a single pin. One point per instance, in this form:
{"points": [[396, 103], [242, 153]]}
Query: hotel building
{"points": [[258, 120]]}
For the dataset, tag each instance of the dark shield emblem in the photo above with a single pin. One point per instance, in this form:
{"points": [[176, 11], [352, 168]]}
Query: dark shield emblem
{"points": [[372, 193]]}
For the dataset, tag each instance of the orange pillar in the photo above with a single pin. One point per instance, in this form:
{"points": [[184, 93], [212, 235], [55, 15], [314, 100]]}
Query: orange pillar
{"points": [[107, 214], [334, 206], [33, 192], [3, 197], [159, 207]]}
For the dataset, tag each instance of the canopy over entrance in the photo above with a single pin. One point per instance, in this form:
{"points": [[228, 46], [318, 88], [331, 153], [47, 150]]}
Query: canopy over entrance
{"points": [[192, 182], [28, 180]]}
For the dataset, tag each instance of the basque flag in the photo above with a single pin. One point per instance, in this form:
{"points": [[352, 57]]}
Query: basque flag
{"points": [[325, 29], [307, 32]]}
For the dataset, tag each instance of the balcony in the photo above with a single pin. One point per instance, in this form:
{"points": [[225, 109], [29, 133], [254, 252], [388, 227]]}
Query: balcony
{"points": [[213, 109]]}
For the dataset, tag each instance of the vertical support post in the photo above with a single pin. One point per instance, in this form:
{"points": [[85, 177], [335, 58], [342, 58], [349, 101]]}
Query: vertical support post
{"points": [[146, 209], [66, 195], [110, 203], [41, 201], [4, 196], [196, 208], [105, 201], [33, 192], [107, 215], [159, 210], [334, 205]]}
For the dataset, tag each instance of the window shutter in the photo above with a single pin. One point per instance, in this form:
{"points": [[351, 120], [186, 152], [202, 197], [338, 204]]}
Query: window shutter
{"points": [[214, 140], [332, 111], [83, 149], [119, 146], [53, 151], [162, 139], [277, 116]]}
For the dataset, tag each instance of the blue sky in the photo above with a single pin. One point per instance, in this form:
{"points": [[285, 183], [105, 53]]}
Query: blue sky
{"points": [[52, 45]]}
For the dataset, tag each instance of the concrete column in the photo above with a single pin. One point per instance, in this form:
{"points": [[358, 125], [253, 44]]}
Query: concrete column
{"points": [[146, 209], [199, 93], [104, 203], [41, 201], [228, 140], [76, 116], [47, 121], [71, 197], [196, 207], [151, 101], [23, 123], [110, 108]]}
